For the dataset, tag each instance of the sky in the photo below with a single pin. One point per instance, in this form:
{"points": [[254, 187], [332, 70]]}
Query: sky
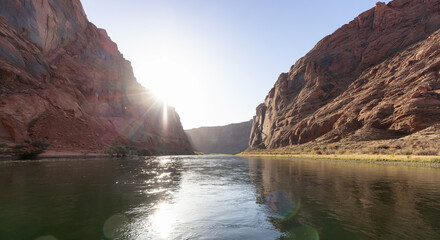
{"points": [[216, 60]]}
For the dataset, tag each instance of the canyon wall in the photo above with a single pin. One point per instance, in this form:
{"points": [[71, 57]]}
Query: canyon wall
{"points": [[376, 77], [64, 81], [229, 139]]}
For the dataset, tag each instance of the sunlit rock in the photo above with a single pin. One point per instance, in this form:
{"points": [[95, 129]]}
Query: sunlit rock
{"points": [[363, 82]]}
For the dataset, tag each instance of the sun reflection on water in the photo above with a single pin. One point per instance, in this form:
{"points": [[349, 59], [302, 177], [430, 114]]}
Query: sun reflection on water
{"points": [[163, 220]]}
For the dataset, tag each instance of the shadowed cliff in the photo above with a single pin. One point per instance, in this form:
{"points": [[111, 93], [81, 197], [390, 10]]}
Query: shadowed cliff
{"points": [[64, 81], [230, 139]]}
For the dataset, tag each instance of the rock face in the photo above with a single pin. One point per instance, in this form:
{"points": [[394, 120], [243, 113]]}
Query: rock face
{"points": [[64, 80], [230, 139], [374, 78]]}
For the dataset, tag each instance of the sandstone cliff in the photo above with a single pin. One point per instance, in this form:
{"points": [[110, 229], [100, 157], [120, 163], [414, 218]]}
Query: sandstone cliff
{"points": [[64, 80], [374, 78], [230, 139]]}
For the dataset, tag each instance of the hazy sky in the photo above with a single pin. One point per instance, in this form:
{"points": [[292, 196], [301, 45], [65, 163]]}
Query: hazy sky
{"points": [[216, 60]]}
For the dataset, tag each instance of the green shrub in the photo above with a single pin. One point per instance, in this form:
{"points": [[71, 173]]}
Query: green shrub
{"points": [[30, 150], [373, 150], [407, 152], [40, 144], [426, 152], [117, 150], [4, 149], [383, 146], [341, 151], [145, 152], [318, 152]]}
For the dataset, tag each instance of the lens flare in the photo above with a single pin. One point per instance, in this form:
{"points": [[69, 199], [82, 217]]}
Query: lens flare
{"points": [[115, 226], [302, 232], [282, 204]]}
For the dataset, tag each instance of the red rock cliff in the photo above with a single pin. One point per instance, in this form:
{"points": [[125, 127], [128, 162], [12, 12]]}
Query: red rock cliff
{"points": [[64, 80], [374, 78], [229, 139]]}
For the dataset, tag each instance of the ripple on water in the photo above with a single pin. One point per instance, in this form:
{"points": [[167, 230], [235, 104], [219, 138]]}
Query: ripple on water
{"points": [[212, 197], [116, 226], [282, 204], [48, 237]]}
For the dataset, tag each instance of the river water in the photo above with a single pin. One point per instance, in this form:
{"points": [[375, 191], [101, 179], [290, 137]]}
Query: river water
{"points": [[217, 197]]}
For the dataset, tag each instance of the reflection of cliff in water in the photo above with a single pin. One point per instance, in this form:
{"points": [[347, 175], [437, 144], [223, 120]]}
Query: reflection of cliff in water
{"points": [[347, 200], [79, 194]]}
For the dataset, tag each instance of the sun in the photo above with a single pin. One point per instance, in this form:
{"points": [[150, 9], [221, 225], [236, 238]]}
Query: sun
{"points": [[169, 79], [177, 76]]}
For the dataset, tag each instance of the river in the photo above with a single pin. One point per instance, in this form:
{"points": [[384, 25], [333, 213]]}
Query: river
{"points": [[216, 197]]}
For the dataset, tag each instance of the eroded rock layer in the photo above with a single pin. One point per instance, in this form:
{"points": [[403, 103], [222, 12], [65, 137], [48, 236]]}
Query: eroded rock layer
{"points": [[229, 139], [374, 78], [64, 80]]}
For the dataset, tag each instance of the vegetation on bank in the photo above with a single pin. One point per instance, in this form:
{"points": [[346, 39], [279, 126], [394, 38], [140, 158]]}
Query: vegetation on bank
{"points": [[358, 157], [124, 150], [32, 150], [26, 150], [117, 150], [377, 151], [120, 150]]}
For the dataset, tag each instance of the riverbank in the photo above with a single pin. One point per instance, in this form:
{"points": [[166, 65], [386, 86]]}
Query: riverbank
{"points": [[71, 154], [52, 154], [398, 159], [421, 147], [58, 154]]}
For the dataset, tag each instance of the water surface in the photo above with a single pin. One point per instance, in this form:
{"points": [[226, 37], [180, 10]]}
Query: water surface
{"points": [[217, 197]]}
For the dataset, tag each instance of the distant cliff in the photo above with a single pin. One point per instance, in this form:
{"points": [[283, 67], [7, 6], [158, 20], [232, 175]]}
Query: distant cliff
{"points": [[230, 139], [374, 78], [64, 81]]}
